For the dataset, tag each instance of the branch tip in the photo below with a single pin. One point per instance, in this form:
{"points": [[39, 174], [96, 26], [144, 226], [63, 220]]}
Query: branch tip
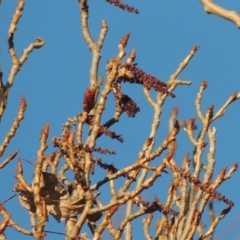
{"points": [[71, 137], [176, 126], [23, 104], [195, 48], [204, 84], [19, 168], [45, 131], [124, 40]]}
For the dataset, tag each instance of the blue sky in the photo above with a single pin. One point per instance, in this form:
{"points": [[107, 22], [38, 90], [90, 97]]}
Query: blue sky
{"points": [[55, 77]]}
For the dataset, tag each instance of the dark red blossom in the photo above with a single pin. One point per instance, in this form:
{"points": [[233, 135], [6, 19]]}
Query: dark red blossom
{"points": [[89, 99], [111, 134], [147, 80], [104, 151], [156, 206], [123, 6], [108, 167], [204, 186], [128, 105]]}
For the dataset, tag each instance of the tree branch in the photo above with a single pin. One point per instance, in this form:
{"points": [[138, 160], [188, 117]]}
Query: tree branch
{"points": [[211, 7]]}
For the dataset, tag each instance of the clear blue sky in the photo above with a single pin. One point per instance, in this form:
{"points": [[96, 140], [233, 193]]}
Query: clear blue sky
{"points": [[54, 78]]}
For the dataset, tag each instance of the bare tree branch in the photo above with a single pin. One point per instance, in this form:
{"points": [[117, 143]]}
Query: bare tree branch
{"points": [[211, 7]]}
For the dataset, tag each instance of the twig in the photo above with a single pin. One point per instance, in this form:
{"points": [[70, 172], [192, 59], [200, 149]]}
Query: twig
{"points": [[146, 225], [40, 203], [15, 126], [198, 100], [8, 159], [184, 63], [8, 199], [105, 222], [215, 222], [95, 47], [148, 97], [222, 110], [5, 214], [17, 63], [211, 7]]}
